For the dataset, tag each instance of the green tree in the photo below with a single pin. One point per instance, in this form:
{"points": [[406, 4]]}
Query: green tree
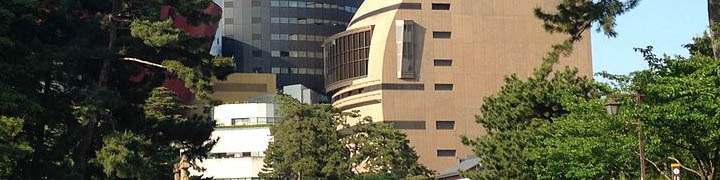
{"points": [[680, 107], [306, 143], [77, 71], [379, 149], [314, 142], [586, 144], [513, 118]]}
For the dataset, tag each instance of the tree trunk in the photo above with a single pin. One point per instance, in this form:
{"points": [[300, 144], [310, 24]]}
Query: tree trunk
{"points": [[88, 139], [713, 18]]}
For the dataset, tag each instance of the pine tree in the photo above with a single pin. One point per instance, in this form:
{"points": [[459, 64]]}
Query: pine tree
{"points": [[79, 73]]}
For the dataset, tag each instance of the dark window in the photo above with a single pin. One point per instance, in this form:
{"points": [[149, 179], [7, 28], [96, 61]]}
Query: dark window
{"points": [[408, 125], [440, 6], [410, 6], [257, 37], [257, 53], [256, 20], [446, 153], [443, 62], [246, 154], [228, 4], [443, 87], [441, 35], [228, 20], [347, 56], [445, 125], [254, 3], [284, 53]]}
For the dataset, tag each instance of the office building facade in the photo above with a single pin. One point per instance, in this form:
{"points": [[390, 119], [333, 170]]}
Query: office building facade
{"points": [[283, 37], [426, 65]]}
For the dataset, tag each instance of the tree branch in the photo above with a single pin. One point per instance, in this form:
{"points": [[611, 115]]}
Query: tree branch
{"points": [[143, 62], [683, 166], [656, 166]]}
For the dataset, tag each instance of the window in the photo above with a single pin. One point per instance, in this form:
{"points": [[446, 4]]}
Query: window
{"points": [[228, 4], [440, 6], [443, 62], [284, 53], [346, 56], [445, 153], [408, 125], [257, 37], [443, 87], [275, 53], [410, 6], [246, 154], [257, 53], [228, 20], [274, 3], [256, 20], [240, 121], [441, 35], [255, 3], [275, 70], [445, 125]]}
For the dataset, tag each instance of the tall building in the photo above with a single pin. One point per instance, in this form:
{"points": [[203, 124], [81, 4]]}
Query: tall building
{"points": [[283, 37], [426, 65]]}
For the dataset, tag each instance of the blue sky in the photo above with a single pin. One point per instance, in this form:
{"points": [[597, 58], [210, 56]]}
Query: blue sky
{"points": [[664, 24]]}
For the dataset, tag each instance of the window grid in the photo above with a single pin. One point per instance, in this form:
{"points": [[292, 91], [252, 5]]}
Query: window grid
{"points": [[307, 4], [296, 20], [347, 56]]}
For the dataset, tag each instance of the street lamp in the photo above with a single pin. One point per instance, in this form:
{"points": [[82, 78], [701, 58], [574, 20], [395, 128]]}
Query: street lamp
{"points": [[612, 106]]}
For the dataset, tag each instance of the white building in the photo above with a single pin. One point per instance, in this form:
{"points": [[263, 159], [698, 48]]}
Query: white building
{"points": [[244, 133]]}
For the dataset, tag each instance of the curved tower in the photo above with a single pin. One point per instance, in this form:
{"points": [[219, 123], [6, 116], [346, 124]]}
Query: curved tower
{"points": [[426, 65], [283, 37]]}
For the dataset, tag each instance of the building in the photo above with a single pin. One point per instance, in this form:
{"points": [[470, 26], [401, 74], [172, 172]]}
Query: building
{"points": [[426, 65], [241, 87], [243, 128], [244, 133], [283, 37]]}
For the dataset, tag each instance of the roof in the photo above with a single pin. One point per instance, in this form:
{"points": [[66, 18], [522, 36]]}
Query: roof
{"points": [[469, 163]]}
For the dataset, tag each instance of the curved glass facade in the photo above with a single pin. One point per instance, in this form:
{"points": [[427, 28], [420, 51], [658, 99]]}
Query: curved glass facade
{"points": [[284, 37], [346, 55]]}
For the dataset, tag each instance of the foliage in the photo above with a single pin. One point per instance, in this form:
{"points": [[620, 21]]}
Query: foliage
{"points": [[307, 144], [586, 144], [514, 117], [680, 107], [574, 17], [124, 155], [65, 76], [380, 148], [11, 150]]}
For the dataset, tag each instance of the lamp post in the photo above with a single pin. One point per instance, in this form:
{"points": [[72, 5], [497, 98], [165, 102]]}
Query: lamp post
{"points": [[612, 106]]}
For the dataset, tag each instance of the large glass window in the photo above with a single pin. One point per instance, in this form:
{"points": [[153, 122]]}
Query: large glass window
{"points": [[346, 56]]}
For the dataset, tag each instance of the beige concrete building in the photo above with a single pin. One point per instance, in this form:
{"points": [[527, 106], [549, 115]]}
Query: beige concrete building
{"points": [[426, 65], [239, 87]]}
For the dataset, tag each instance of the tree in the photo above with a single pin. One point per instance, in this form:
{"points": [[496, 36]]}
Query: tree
{"points": [[513, 118], [586, 144], [308, 145], [381, 149], [79, 71], [681, 107]]}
